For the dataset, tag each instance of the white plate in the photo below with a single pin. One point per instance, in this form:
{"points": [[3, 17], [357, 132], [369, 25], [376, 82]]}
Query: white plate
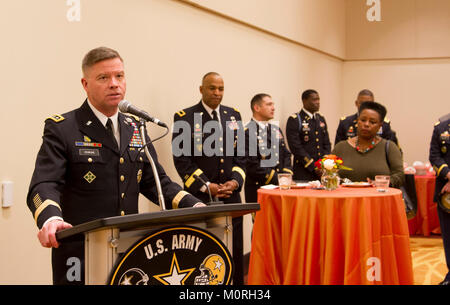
{"points": [[300, 186], [357, 184]]}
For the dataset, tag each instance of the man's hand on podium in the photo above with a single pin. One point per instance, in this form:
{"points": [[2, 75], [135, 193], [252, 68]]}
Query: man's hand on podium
{"points": [[199, 204], [47, 235]]}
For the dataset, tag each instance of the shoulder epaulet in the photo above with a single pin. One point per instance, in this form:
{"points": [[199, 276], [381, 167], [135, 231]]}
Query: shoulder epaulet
{"points": [[236, 110], [57, 118], [437, 123], [386, 120], [181, 113], [294, 116], [343, 118]]}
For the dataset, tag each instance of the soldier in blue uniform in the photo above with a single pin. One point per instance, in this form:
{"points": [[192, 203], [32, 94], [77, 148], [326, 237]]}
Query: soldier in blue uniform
{"points": [[307, 136], [208, 144], [90, 165], [440, 159], [266, 151], [348, 126]]}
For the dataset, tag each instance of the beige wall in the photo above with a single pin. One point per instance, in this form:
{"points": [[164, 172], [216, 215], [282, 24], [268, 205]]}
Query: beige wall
{"points": [[316, 24], [167, 46], [412, 90], [408, 29], [405, 60]]}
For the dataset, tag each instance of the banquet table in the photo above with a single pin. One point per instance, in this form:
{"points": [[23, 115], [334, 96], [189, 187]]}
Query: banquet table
{"points": [[426, 221], [346, 236]]}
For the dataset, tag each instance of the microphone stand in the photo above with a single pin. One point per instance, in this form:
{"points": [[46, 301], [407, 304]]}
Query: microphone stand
{"points": [[162, 204]]}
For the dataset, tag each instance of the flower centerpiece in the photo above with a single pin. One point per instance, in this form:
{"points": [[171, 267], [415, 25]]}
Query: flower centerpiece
{"points": [[330, 165]]}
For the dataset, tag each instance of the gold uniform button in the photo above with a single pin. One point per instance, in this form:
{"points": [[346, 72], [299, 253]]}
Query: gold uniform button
{"points": [[222, 171], [122, 213], [140, 159], [122, 178], [317, 140], [221, 161], [121, 160], [90, 160], [123, 195]]}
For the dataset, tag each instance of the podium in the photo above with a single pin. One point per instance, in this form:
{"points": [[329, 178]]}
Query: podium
{"points": [[107, 240]]}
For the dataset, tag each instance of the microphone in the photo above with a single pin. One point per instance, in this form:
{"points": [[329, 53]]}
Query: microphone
{"points": [[209, 191], [126, 107]]}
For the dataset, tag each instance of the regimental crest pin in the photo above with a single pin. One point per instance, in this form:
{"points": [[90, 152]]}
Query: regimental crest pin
{"points": [[89, 177]]}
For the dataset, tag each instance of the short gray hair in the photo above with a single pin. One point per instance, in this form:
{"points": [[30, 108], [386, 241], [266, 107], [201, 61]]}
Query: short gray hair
{"points": [[97, 55]]}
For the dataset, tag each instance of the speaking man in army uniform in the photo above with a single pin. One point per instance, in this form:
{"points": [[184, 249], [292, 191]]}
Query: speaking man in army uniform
{"points": [[348, 125], [266, 151], [209, 154], [440, 159], [90, 165], [307, 136]]}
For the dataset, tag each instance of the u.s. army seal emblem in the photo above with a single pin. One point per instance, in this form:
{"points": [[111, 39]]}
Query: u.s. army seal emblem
{"points": [[179, 255]]}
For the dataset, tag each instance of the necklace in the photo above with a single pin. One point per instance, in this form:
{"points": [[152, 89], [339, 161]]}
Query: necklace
{"points": [[363, 151]]}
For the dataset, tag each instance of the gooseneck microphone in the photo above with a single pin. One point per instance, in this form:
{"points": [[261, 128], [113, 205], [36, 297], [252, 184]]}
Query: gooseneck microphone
{"points": [[126, 107]]}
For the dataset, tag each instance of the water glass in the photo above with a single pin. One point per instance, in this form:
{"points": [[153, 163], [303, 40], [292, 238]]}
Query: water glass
{"points": [[285, 181], [382, 183]]}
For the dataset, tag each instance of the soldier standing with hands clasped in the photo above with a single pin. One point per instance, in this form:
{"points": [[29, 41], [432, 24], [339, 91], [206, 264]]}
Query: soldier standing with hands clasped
{"points": [[307, 136]]}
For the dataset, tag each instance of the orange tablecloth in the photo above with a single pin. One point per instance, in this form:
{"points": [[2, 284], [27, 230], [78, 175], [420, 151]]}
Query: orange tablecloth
{"points": [[346, 236], [426, 220]]}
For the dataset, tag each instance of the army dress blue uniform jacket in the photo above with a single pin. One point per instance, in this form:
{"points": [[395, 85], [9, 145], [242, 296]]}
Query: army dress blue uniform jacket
{"points": [[308, 141], [268, 147], [81, 174], [227, 163]]}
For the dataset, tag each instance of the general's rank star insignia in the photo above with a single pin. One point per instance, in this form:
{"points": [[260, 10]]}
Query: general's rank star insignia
{"points": [[175, 276], [89, 177]]}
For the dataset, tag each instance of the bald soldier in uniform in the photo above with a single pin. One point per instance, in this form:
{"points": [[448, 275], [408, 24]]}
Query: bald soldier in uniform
{"points": [[89, 165], [211, 152], [348, 126]]}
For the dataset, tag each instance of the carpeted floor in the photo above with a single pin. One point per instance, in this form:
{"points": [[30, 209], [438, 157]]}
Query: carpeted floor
{"points": [[428, 260]]}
